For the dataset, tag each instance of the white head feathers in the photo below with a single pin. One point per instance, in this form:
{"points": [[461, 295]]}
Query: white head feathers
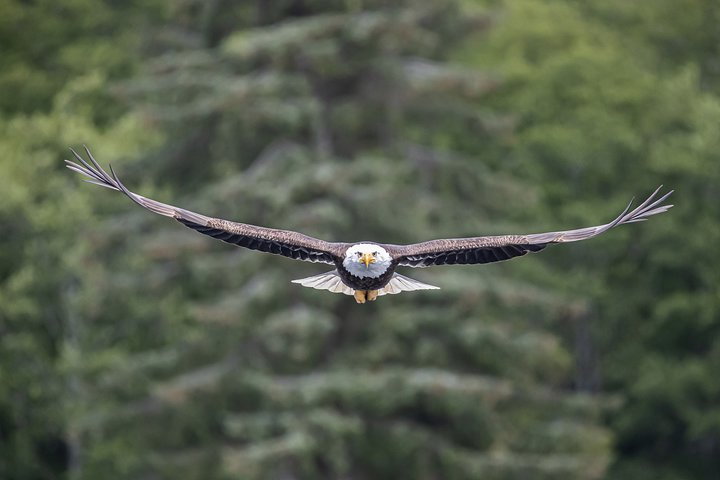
{"points": [[355, 256]]}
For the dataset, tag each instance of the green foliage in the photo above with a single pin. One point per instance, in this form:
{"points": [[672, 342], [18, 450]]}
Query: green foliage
{"points": [[594, 100], [216, 366], [53, 79], [40, 216], [131, 348], [47, 43]]}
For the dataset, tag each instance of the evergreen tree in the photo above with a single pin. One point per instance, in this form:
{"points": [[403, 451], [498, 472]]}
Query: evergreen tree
{"points": [[344, 120], [55, 63], [612, 97]]}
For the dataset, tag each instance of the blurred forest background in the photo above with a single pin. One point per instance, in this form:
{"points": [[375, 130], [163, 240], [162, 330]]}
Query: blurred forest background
{"points": [[132, 348]]}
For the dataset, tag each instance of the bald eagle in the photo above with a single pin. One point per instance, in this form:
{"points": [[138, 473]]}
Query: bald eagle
{"points": [[365, 270]]}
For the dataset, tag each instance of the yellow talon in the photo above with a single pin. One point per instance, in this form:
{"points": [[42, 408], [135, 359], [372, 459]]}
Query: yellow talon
{"points": [[372, 295], [360, 296]]}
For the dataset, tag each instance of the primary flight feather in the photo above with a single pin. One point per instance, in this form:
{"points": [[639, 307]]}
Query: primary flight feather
{"points": [[365, 270]]}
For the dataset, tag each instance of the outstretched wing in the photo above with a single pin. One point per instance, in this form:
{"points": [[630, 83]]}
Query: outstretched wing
{"points": [[282, 242], [503, 247]]}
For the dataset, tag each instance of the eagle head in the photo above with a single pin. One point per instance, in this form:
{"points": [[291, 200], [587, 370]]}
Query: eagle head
{"points": [[367, 260]]}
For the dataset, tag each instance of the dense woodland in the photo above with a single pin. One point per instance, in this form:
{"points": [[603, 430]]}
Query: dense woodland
{"points": [[133, 348]]}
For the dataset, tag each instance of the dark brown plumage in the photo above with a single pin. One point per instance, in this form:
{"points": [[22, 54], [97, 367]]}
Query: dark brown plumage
{"points": [[350, 278]]}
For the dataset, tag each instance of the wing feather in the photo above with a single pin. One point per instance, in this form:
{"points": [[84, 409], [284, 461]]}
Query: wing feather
{"points": [[503, 247], [281, 242]]}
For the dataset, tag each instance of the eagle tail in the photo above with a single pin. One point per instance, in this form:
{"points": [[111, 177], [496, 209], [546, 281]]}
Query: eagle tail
{"points": [[326, 281], [400, 283], [331, 281]]}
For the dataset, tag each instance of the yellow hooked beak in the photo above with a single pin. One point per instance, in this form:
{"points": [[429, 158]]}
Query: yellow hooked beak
{"points": [[367, 259]]}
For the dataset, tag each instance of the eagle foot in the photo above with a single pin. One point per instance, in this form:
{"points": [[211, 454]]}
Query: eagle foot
{"points": [[371, 295], [360, 296]]}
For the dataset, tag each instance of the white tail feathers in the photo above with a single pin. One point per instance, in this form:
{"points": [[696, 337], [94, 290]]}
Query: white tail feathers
{"points": [[326, 281], [331, 281], [401, 283]]}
